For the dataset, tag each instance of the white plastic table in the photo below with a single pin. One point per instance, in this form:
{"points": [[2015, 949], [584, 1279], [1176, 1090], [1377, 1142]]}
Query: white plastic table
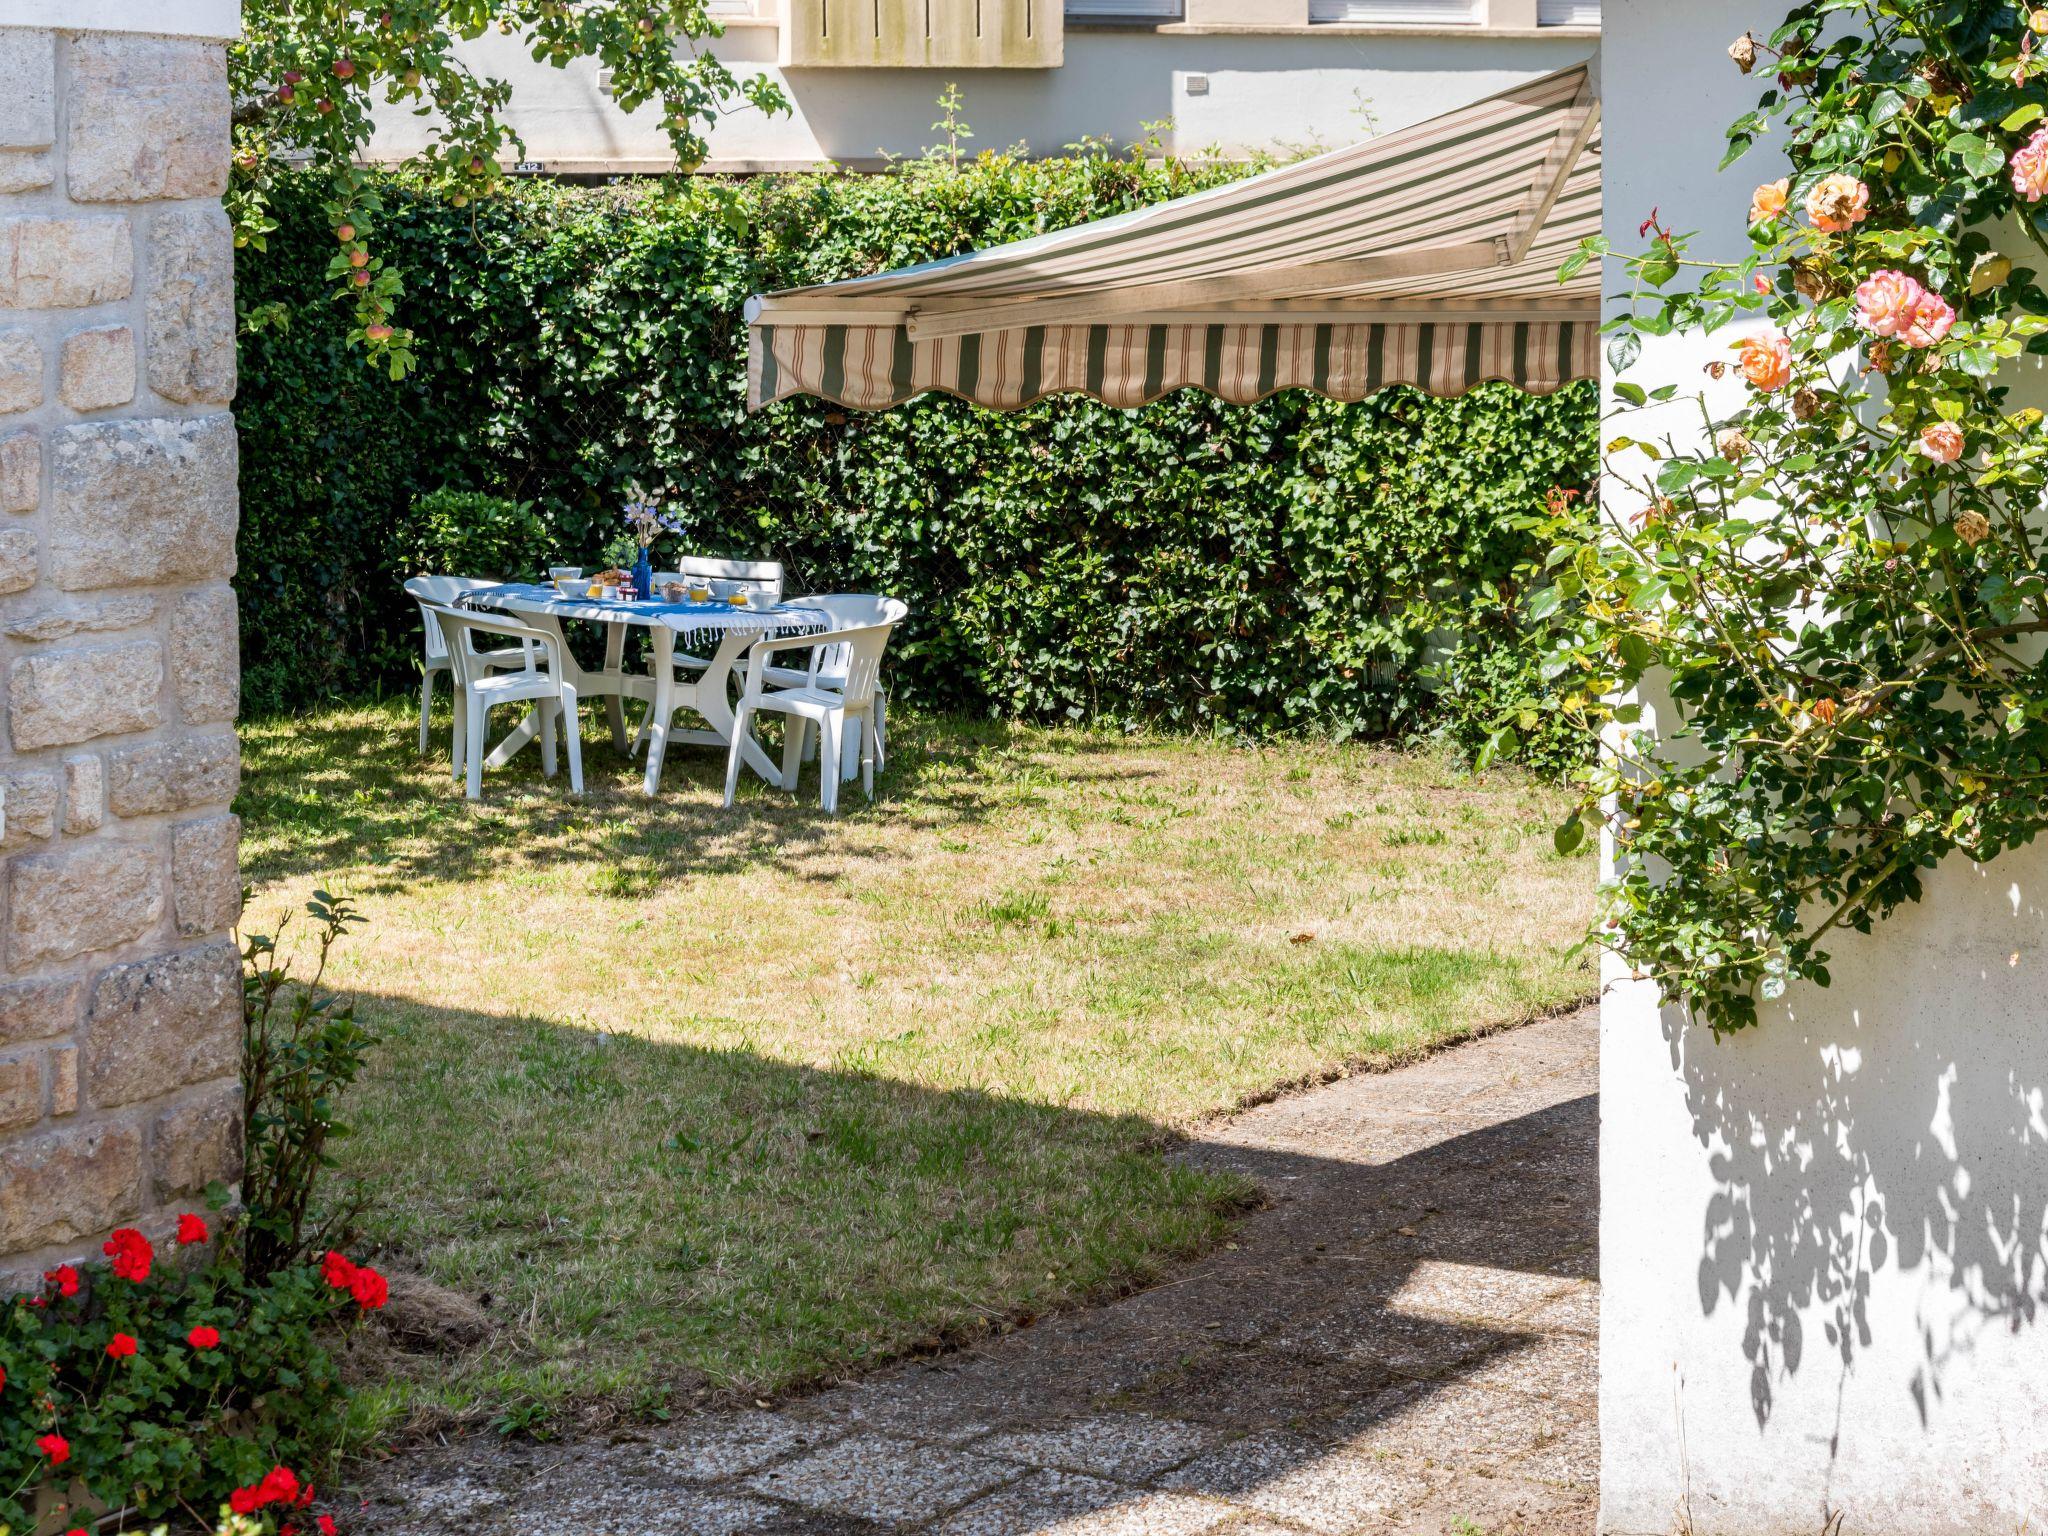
{"points": [[736, 629]]}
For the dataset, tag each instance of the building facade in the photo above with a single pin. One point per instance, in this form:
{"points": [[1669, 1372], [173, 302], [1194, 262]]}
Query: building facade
{"points": [[1231, 76]]}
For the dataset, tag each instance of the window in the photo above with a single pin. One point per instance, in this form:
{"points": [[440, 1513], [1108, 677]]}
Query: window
{"points": [[1440, 12], [729, 7], [1568, 13], [1126, 10]]}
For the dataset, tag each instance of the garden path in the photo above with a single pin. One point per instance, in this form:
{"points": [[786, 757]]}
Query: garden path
{"points": [[1404, 1341]]}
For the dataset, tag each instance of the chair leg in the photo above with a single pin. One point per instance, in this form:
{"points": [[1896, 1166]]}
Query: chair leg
{"points": [[547, 708], [573, 739], [881, 708], [475, 752], [870, 740], [426, 706], [852, 733], [458, 702], [796, 740], [740, 725], [830, 731]]}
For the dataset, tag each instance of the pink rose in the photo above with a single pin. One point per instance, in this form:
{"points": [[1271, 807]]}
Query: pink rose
{"points": [[1942, 442], [2030, 167], [1838, 204], [1931, 319], [1885, 302], [1766, 361]]}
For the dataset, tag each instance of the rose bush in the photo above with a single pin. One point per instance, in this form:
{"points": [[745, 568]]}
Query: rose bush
{"points": [[1841, 590]]}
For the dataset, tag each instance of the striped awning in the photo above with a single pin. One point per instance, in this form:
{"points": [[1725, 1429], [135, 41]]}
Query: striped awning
{"points": [[1428, 257]]}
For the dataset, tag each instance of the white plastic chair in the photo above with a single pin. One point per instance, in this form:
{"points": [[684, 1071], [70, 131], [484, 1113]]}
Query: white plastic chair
{"points": [[442, 591], [847, 610], [482, 683], [755, 575], [833, 710]]}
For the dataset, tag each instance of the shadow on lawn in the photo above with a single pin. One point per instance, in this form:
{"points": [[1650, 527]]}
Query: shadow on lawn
{"points": [[1389, 1316], [350, 788]]}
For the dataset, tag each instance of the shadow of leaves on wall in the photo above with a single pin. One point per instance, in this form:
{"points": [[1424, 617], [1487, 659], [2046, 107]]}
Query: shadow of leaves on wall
{"points": [[1916, 1143]]}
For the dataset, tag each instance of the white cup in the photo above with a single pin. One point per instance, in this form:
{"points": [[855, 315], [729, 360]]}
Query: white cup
{"points": [[760, 600]]}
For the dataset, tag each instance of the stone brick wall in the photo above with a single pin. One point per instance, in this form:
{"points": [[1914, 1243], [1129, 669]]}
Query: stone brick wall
{"points": [[120, 994]]}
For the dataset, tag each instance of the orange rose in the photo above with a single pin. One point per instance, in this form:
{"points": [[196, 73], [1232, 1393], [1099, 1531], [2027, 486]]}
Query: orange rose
{"points": [[1839, 203], [1766, 361], [1767, 202]]}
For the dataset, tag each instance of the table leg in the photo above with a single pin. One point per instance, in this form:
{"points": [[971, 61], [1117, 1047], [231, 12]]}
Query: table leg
{"points": [[715, 703], [514, 742], [614, 668], [663, 707]]}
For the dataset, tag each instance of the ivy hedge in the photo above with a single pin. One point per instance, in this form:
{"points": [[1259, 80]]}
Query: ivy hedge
{"points": [[1294, 565]]}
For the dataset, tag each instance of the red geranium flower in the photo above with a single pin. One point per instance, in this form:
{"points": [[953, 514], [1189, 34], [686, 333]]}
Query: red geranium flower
{"points": [[191, 1229], [131, 1253], [65, 1278], [337, 1270], [3, 1378], [56, 1447], [203, 1337], [369, 1288], [121, 1345], [280, 1485], [326, 1524]]}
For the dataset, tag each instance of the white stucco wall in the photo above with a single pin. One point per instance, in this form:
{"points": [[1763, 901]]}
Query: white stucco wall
{"points": [[1824, 1254], [171, 18], [1265, 92]]}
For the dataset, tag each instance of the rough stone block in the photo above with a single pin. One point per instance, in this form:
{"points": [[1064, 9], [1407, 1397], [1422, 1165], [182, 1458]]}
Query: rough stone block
{"points": [[191, 309], [17, 559], [199, 1141], [206, 877], [75, 900], [21, 371], [134, 502], [64, 1080], [162, 1023], [21, 1091], [21, 472], [28, 88], [96, 369], [206, 655], [32, 800], [59, 263], [24, 170], [38, 1009], [59, 697], [174, 775], [149, 118], [85, 793], [107, 613], [68, 1184]]}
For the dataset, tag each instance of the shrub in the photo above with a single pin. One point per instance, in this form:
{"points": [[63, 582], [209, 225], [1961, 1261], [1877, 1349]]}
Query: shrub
{"points": [[301, 1049], [174, 1383], [1252, 569], [475, 534], [162, 1387]]}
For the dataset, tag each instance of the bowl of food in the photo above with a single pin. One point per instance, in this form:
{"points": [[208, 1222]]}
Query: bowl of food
{"points": [[562, 573]]}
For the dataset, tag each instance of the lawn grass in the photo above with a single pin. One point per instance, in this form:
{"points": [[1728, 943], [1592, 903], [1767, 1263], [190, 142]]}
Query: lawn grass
{"points": [[713, 1101]]}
